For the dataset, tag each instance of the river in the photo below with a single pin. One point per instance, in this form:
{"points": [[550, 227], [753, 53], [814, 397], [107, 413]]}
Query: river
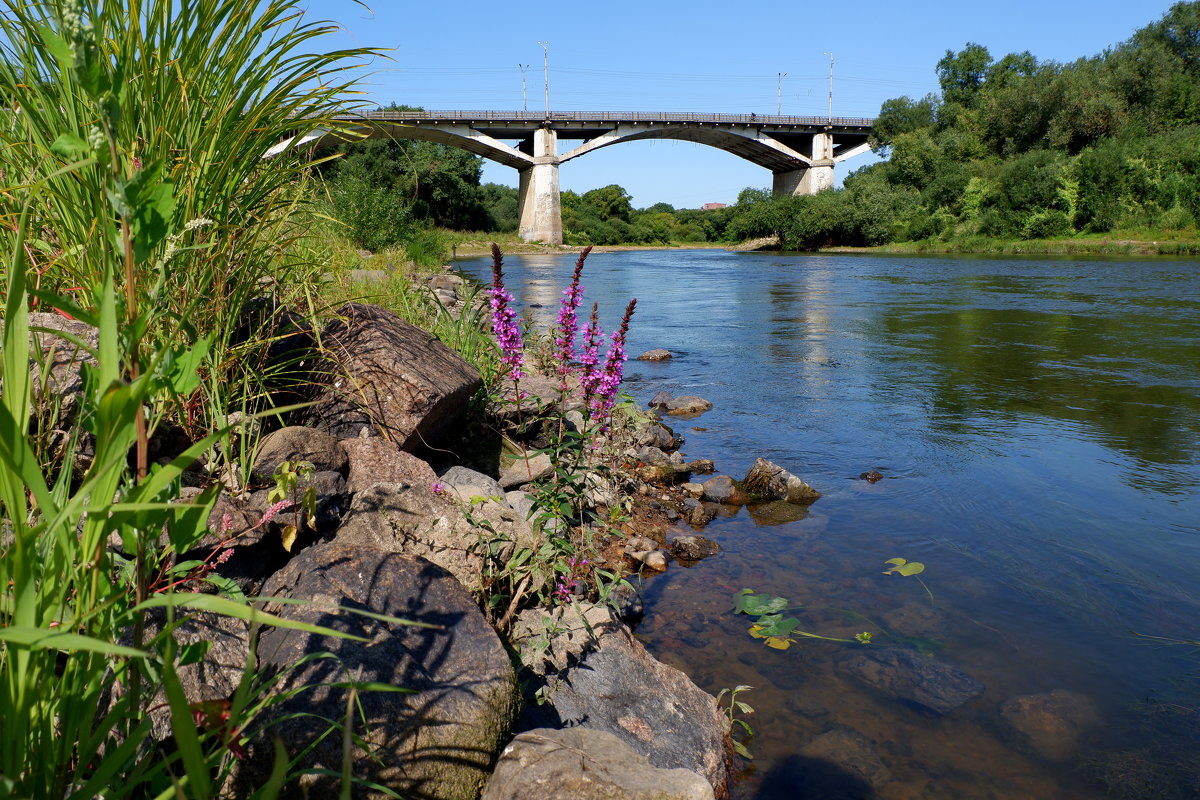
{"points": [[1037, 424]]}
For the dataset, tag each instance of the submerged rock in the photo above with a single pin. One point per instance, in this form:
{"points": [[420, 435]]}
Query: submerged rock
{"points": [[851, 751], [1051, 724], [907, 675], [690, 547], [687, 404]]}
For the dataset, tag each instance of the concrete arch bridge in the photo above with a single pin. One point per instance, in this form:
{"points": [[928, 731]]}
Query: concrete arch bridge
{"points": [[800, 152]]}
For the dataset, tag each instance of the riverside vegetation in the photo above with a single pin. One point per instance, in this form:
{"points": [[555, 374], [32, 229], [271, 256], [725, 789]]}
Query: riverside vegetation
{"points": [[152, 250]]}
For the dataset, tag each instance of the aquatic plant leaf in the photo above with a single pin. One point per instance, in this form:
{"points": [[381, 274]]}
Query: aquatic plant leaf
{"points": [[899, 562], [778, 626], [911, 568], [741, 750], [747, 602], [779, 642]]}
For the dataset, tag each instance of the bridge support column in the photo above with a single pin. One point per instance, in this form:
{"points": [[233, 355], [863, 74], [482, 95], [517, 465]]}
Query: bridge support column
{"points": [[813, 178], [540, 204]]}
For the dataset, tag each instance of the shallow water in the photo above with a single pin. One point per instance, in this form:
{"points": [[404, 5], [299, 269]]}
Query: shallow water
{"points": [[1037, 421]]}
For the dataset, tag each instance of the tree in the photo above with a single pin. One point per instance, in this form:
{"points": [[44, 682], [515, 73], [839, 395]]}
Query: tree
{"points": [[963, 74]]}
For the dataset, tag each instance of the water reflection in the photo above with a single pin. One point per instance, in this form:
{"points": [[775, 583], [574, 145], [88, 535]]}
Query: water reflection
{"points": [[1038, 423]]}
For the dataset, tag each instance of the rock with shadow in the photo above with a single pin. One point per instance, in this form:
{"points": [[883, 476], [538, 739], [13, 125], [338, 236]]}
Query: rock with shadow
{"points": [[384, 376], [434, 739], [586, 764], [595, 675]]}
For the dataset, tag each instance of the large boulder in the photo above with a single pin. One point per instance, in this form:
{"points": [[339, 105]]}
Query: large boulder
{"points": [[774, 482], [399, 518], [387, 377], [911, 677], [436, 739], [598, 676], [586, 764]]}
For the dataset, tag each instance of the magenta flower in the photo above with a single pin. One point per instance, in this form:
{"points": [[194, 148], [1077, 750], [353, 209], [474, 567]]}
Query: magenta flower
{"points": [[568, 319], [437, 487], [609, 378], [505, 327], [589, 357]]}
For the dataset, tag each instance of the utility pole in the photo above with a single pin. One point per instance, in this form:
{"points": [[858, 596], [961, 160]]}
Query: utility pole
{"points": [[779, 94], [830, 87], [546, 73], [524, 100]]}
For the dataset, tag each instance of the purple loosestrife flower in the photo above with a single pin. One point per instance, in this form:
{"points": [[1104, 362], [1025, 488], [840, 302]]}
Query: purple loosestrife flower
{"points": [[568, 319], [614, 367], [589, 357], [505, 327]]}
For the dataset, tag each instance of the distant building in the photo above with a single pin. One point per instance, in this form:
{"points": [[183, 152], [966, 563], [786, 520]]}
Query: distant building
{"points": [[713, 206]]}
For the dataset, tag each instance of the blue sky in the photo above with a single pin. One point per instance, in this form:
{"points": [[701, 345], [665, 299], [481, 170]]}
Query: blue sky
{"points": [[704, 56]]}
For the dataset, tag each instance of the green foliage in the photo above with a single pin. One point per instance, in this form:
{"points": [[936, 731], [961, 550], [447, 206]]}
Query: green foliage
{"points": [[739, 730], [913, 569]]}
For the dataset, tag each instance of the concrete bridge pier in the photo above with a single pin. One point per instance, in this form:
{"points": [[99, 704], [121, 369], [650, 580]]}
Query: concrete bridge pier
{"points": [[815, 177], [540, 205]]}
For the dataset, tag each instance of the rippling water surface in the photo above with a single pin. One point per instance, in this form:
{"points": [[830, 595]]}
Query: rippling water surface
{"points": [[1037, 422]]}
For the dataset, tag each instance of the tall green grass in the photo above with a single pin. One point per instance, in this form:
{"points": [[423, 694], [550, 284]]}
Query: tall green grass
{"points": [[134, 197]]}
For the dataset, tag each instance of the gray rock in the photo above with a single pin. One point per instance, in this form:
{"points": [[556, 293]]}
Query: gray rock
{"points": [[701, 514], [651, 455], [656, 435], [687, 404], [214, 677], [693, 490], [772, 481], [851, 751], [295, 443], [690, 547], [722, 489], [660, 400], [907, 675], [699, 466], [526, 470], [63, 361], [776, 512], [374, 459], [657, 354], [438, 739], [467, 484], [388, 377], [598, 676], [1051, 724], [651, 559], [521, 502], [586, 764], [397, 518]]}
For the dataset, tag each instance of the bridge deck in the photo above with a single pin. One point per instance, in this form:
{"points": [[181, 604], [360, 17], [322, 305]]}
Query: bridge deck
{"points": [[582, 118]]}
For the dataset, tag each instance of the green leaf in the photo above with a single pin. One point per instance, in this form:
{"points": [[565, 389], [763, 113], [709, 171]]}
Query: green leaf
{"points": [[778, 626], [70, 147], [57, 47], [747, 602], [897, 561], [193, 653], [912, 568], [741, 750], [43, 639]]}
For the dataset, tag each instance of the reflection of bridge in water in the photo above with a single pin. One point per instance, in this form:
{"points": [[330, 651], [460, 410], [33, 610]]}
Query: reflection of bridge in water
{"points": [[799, 151]]}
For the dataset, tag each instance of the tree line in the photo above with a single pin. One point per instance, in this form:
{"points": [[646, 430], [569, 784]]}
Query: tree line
{"points": [[1011, 148]]}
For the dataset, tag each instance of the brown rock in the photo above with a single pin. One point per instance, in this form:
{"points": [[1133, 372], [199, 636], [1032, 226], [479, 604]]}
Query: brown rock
{"points": [[657, 354], [1051, 724], [387, 377], [772, 481], [295, 443]]}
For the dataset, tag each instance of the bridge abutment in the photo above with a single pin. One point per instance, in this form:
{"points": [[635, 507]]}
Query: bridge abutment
{"points": [[815, 177], [540, 204]]}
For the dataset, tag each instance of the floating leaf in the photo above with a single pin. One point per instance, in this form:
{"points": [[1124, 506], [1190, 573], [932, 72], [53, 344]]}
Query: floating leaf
{"points": [[779, 642], [777, 626], [899, 562], [912, 568], [747, 602]]}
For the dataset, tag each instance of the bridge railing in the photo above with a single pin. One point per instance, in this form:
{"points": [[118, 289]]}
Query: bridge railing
{"points": [[612, 116]]}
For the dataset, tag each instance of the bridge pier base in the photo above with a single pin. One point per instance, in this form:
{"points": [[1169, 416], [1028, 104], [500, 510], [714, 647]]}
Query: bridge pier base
{"points": [[540, 204], [808, 180]]}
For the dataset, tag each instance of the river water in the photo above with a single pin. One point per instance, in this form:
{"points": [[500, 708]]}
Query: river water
{"points": [[1037, 421]]}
